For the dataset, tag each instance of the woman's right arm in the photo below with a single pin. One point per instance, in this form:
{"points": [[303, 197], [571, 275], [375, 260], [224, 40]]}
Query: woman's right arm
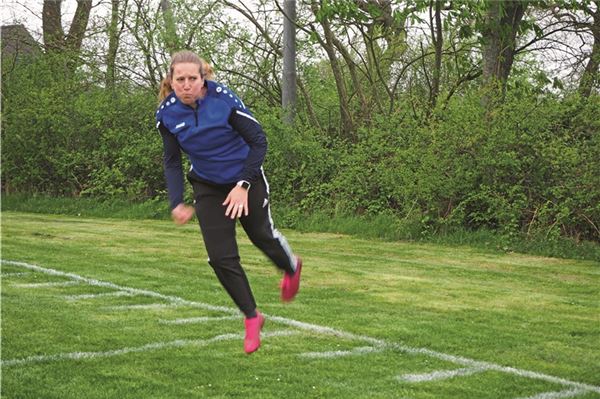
{"points": [[180, 212], [172, 166]]}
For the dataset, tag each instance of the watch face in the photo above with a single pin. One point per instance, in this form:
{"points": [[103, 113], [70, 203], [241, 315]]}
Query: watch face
{"points": [[244, 184]]}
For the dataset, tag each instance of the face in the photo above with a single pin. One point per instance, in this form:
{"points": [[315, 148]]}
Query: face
{"points": [[187, 82]]}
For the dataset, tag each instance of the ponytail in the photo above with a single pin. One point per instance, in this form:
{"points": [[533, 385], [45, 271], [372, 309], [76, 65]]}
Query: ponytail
{"points": [[165, 88]]}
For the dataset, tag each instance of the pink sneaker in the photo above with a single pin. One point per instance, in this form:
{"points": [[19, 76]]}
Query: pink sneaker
{"points": [[291, 284], [253, 327]]}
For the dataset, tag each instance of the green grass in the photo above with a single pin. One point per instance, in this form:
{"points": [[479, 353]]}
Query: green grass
{"points": [[384, 227], [526, 312]]}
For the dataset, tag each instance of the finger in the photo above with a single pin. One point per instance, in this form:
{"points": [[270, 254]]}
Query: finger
{"points": [[232, 211], [240, 210]]}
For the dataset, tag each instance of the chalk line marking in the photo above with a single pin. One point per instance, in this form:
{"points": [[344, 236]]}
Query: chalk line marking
{"points": [[149, 306], [440, 375], [134, 291], [101, 295], [567, 393], [471, 363], [363, 350], [197, 320], [47, 285], [13, 274], [179, 343]]}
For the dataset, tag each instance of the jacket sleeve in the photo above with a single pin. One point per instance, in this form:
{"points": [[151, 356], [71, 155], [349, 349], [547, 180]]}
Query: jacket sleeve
{"points": [[172, 166], [252, 132]]}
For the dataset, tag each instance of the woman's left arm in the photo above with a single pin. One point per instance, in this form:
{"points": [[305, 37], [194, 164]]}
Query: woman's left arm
{"points": [[252, 132]]}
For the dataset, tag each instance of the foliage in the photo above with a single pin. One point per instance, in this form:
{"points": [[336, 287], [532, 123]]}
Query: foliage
{"points": [[64, 136], [528, 166]]}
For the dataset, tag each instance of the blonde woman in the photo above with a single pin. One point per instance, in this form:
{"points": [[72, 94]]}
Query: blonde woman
{"points": [[226, 147]]}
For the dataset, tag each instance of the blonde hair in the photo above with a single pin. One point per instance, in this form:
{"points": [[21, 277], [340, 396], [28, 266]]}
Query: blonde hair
{"points": [[205, 69], [165, 88]]}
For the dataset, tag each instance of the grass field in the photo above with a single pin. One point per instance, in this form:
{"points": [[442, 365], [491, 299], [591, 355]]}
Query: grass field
{"points": [[106, 308]]}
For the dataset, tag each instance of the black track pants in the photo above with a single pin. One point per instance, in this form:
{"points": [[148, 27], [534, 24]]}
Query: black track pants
{"points": [[218, 232]]}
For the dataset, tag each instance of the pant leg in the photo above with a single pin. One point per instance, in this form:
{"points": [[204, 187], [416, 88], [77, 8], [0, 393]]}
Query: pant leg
{"points": [[218, 232], [261, 231]]}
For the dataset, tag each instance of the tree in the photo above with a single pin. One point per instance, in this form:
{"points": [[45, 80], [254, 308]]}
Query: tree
{"points": [[501, 27], [328, 44], [589, 78], [114, 33], [171, 40], [437, 38], [288, 87], [55, 40]]}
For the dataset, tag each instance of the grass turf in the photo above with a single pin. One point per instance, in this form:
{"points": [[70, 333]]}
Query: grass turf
{"points": [[397, 310]]}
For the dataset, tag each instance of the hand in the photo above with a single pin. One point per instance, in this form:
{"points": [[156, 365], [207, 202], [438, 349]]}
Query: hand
{"points": [[237, 202], [182, 213]]}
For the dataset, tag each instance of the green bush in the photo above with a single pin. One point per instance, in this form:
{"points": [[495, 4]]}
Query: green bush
{"points": [[65, 136], [516, 172], [528, 169]]}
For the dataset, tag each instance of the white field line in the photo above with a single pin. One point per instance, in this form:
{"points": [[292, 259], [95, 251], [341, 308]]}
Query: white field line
{"points": [[101, 295], [134, 291], [567, 393], [197, 320], [149, 306], [363, 350], [470, 363], [439, 375], [47, 285], [13, 274], [179, 343]]}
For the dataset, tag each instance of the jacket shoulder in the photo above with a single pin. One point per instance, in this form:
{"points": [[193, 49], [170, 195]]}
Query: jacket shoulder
{"points": [[226, 95], [166, 109]]}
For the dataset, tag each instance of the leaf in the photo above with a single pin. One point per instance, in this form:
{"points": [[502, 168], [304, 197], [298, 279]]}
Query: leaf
{"points": [[465, 32]]}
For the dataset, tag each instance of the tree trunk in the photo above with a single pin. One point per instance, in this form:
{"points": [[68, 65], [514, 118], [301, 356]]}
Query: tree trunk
{"points": [[438, 41], [328, 46], [288, 87], [590, 74], [54, 37], [312, 117], [52, 26], [171, 40], [78, 26], [500, 36], [113, 45]]}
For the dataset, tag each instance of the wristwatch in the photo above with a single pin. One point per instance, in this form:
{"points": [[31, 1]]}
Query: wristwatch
{"points": [[243, 184]]}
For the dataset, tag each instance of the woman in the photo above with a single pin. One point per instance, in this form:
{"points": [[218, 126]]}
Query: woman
{"points": [[226, 147]]}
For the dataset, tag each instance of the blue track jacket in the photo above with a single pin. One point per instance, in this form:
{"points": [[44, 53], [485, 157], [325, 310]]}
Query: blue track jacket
{"points": [[221, 137]]}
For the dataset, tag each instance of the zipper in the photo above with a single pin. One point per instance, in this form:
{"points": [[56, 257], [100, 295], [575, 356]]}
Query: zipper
{"points": [[195, 112]]}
